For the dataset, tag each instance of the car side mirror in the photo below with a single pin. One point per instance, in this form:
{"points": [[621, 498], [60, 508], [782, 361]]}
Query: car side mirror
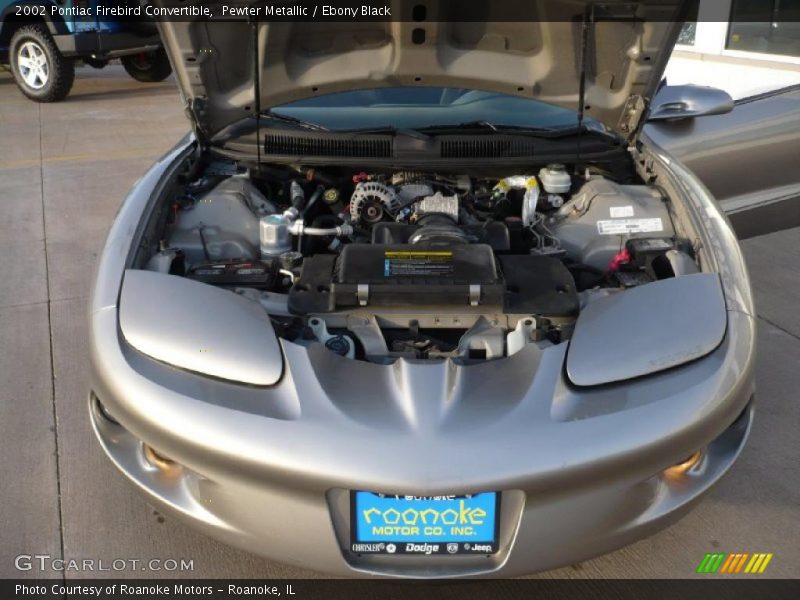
{"points": [[687, 101]]}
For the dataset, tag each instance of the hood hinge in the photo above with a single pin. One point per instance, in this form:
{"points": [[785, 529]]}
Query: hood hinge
{"points": [[634, 110], [197, 110]]}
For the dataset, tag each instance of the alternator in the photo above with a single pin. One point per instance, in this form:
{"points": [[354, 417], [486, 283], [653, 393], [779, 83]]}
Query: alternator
{"points": [[371, 200]]}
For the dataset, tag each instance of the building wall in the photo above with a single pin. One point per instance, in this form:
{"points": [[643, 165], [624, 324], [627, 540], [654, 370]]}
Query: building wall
{"points": [[745, 47], [740, 77]]}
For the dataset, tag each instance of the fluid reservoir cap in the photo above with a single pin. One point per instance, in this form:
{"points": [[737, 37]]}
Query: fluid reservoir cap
{"points": [[289, 260], [555, 179], [331, 196], [338, 344]]}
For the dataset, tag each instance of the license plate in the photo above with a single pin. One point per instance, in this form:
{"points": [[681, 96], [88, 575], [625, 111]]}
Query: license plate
{"points": [[388, 524]]}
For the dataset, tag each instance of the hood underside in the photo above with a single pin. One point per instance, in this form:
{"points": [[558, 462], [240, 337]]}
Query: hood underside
{"points": [[620, 48]]}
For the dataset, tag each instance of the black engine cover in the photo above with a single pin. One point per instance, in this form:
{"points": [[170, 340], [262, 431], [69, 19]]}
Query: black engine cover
{"points": [[410, 275], [538, 285], [493, 233], [396, 275]]}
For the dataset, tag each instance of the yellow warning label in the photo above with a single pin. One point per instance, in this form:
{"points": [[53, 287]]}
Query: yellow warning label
{"points": [[416, 263]]}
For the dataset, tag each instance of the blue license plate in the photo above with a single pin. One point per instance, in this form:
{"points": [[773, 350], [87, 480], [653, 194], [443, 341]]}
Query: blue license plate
{"points": [[395, 524]]}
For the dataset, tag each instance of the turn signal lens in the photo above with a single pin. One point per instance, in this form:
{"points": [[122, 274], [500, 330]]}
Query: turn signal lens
{"points": [[159, 460], [680, 469]]}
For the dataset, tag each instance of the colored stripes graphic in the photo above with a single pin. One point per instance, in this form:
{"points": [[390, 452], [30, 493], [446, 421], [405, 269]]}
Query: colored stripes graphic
{"points": [[720, 562]]}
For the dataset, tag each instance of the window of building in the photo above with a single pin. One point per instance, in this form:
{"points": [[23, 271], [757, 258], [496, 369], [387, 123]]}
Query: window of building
{"points": [[765, 26], [688, 34]]}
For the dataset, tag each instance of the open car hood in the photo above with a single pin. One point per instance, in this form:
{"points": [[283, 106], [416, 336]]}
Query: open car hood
{"points": [[621, 47]]}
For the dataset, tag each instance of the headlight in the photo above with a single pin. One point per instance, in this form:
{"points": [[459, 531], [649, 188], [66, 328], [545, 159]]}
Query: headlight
{"points": [[199, 328], [647, 329]]}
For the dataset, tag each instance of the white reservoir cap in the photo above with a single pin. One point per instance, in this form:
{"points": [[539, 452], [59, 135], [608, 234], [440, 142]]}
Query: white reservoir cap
{"points": [[555, 179]]}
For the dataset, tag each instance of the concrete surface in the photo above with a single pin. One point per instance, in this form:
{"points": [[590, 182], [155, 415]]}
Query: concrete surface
{"points": [[740, 77], [64, 170]]}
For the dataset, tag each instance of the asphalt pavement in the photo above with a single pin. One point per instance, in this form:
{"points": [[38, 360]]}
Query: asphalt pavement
{"points": [[64, 170]]}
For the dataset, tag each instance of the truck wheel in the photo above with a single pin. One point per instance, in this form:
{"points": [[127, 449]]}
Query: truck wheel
{"points": [[148, 66], [41, 72]]}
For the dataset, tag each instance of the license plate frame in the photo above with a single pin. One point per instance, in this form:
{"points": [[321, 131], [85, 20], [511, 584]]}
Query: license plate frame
{"points": [[445, 544]]}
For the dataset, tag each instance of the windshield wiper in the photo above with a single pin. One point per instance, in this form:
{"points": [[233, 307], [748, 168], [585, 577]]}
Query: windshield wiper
{"points": [[388, 130], [490, 127], [273, 116]]}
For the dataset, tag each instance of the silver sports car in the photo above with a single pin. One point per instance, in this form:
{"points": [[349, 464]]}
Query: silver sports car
{"points": [[416, 298]]}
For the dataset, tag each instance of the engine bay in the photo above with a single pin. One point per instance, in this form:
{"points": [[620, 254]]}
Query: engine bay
{"points": [[381, 265]]}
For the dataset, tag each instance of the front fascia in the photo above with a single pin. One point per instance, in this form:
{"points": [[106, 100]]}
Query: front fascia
{"points": [[716, 244]]}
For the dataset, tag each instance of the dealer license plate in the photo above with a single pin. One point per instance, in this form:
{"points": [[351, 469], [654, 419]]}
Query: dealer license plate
{"points": [[387, 524]]}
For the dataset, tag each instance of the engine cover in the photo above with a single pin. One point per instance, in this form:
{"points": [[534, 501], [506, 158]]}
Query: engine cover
{"points": [[397, 275], [413, 275], [493, 233]]}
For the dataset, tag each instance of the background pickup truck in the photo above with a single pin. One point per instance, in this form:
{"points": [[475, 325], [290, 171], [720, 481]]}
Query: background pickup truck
{"points": [[41, 39]]}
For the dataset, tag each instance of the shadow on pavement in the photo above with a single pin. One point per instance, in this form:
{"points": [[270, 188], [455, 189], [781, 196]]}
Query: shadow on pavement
{"points": [[146, 90]]}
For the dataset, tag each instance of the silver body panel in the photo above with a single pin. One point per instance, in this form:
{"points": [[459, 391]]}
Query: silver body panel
{"points": [[747, 158], [580, 470]]}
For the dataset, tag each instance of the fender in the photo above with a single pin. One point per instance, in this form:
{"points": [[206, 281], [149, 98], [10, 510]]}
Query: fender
{"points": [[10, 21]]}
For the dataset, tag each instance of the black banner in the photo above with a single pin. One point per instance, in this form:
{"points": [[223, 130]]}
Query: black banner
{"points": [[385, 10], [307, 589]]}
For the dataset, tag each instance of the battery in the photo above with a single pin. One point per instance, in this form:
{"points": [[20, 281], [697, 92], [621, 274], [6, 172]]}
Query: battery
{"points": [[251, 273]]}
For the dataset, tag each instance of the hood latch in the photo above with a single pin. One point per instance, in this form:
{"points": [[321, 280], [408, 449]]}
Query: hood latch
{"points": [[196, 110], [635, 108]]}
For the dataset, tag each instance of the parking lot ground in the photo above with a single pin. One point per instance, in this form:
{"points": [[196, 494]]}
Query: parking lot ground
{"points": [[64, 170]]}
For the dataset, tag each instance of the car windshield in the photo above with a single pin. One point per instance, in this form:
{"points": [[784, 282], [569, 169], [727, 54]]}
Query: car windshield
{"points": [[424, 107]]}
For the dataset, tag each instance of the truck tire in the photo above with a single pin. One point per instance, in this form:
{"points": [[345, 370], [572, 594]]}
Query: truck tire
{"points": [[41, 72], [148, 66]]}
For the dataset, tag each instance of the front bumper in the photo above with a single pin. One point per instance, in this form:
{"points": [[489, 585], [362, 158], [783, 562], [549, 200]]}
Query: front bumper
{"points": [[581, 471], [311, 529], [103, 45]]}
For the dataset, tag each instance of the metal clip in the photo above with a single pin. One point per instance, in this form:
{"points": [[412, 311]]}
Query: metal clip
{"points": [[362, 293], [474, 294]]}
